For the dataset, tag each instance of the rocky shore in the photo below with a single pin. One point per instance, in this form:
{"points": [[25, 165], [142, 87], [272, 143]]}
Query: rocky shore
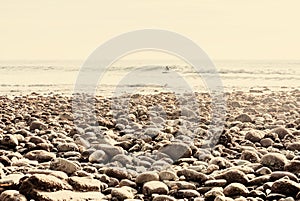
{"points": [[157, 150]]}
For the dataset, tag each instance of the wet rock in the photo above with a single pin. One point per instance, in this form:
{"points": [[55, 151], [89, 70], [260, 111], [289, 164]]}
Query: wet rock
{"points": [[40, 155], [275, 161], [12, 195], [235, 189], [64, 165], [152, 187]]}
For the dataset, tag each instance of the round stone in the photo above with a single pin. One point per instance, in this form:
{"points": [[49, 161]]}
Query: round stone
{"points": [[275, 161], [146, 177], [235, 189], [152, 187]]}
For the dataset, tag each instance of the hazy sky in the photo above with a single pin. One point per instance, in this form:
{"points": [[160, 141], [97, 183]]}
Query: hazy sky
{"points": [[70, 29]]}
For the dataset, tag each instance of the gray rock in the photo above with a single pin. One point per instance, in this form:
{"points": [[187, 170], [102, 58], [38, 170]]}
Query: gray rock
{"points": [[40, 155], [216, 183], [146, 177], [163, 198], [127, 182], [180, 185], [43, 182], [167, 175], [213, 193], [233, 176], [223, 198], [123, 159], [260, 180], [125, 192], [9, 141], [188, 193], [67, 195], [254, 136], [64, 165], [221, 162], [275, 161], [11, 180], [281, 132], [280, 174], [119, 173], [65, 147], [177, 150], [192, 175], [58, 174], [85, 184], [37, 125], [293, 146], [98, 156], [234, 189], [263, 171], [286, 187], [152, 187], [266, 142], [250, 156], [293, 166], [243, 118], [110, 150]]}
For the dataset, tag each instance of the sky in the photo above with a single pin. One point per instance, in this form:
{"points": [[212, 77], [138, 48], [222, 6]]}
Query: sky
{"points": [[73, 29]]}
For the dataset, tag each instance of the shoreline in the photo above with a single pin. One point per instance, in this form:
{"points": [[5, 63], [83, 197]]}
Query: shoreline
{"points": [[143, 152]]}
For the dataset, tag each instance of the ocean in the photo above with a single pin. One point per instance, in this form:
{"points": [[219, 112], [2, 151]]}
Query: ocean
{"points": [[44, 77]]}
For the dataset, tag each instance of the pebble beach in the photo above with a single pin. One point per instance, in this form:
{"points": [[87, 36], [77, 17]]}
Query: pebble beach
{"points": [[147, 154]]}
